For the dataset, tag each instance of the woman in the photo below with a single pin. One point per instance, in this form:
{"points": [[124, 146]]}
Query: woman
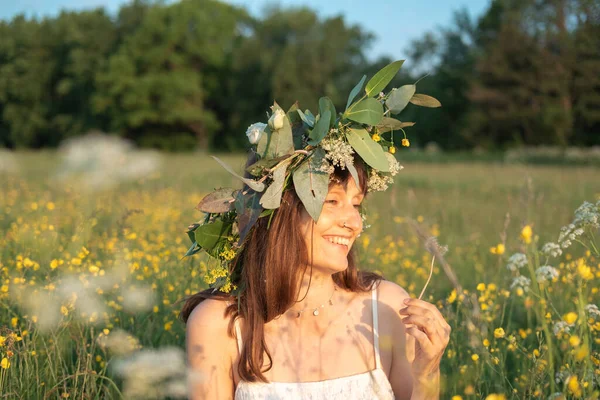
{"points": [[336, 353]]}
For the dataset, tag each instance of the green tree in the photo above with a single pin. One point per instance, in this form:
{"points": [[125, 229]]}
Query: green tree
{"points": [[157, 87]]}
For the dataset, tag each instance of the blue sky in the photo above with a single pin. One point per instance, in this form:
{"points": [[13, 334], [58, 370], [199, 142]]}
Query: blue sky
{"points": [[394, 22]]}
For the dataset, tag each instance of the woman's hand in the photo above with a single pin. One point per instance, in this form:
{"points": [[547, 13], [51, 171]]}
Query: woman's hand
{"points": [[426, 324]]}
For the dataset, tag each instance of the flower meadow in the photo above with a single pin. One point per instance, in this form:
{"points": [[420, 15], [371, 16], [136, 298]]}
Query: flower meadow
{"points": [[92, 239]]}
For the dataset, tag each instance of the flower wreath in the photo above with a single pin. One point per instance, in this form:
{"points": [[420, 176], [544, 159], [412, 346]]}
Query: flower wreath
{"points": [[300, 149]]}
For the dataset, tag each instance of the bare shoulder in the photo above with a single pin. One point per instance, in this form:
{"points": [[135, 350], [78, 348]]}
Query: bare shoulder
{"points": [[210, 351], [391, 294], [209, 317]]}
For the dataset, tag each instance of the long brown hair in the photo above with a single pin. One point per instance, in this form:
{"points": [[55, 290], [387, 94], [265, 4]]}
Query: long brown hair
{"points": [[272, 258]]}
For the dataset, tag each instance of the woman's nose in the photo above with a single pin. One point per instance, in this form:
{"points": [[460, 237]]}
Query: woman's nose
{"points": [[352, 219]]}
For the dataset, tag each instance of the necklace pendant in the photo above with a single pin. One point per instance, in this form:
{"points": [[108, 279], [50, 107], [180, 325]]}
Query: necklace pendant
{"points": [[316, 312]]}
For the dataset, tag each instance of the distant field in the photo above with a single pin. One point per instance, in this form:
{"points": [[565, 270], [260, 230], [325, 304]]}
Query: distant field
{"points": [[128, 236]]}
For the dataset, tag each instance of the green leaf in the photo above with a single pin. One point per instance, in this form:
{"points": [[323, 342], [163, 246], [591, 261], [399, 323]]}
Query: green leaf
{"points": [[312, 184], [248, 208], [355, 91], [257, 169], [325, 104], [399, 98], [381, 79], [190, 232], [368, 111], [424, 100], [320, 130], [276, 143], [192, 250], [208, 235], [368, 149], [219, 201], [392, 124], [353, 172], [306, 119], [271, 199], [254, 185]]}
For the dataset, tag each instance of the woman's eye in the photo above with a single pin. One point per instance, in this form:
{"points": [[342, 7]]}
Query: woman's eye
{"points": [[331, 201]]}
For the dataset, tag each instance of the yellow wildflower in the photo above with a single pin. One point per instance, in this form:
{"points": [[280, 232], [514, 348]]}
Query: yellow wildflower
{"points": [[495, 396], [392, 150], [452, 297], [5, 363], [376, 137], [475, 357], [570, 318], [481, 287], [499, 333], [526, 234], [405, 142]]}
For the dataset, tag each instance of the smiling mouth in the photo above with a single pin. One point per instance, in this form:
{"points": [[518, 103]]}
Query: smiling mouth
{"points": [[341, 242], [340, 246]]}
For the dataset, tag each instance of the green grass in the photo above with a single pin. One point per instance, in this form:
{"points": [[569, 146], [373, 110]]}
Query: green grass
{"points": [[140, 224]]}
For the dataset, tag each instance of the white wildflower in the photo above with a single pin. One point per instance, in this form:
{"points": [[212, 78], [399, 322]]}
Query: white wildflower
{"points": [[557, 395], [337, 151], [154, 374], [560, 327], [395, 166], [137, 299], [546, 273], [551, 249], [587, 216], [276, 120], [118, 342], [516, 261], [255, 131], [593, 310], [521, 282], [101, 161], [378, 182]]}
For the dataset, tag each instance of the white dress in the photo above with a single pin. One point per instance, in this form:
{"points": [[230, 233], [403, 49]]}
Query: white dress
{"points": [[371, 385]]}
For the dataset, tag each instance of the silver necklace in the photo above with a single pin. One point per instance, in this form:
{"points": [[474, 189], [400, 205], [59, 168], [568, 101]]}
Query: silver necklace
{"points": [[316, 309]]}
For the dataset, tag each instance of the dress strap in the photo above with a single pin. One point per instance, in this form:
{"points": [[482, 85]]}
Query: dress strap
{"points": [[238, 334], [375, 328]]}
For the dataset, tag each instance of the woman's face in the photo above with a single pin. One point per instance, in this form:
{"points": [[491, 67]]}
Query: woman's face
{"points": [[330, 240]]}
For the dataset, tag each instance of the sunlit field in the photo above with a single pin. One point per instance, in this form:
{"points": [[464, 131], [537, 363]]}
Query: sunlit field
{"points": [[92, 267]]}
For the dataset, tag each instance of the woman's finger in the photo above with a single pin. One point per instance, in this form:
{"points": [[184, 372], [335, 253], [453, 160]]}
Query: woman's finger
{"points": [[424, 324], [421, 339]]}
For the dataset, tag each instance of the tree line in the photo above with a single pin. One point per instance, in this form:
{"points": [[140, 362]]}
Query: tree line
{"points": [[194, 74]]}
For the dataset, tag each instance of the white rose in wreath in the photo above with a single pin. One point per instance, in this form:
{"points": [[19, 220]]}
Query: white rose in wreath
{"points": [[276, 120], [255, 131]]}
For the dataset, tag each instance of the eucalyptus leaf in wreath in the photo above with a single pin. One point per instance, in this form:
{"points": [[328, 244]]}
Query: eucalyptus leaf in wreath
{"points": [[369, 150], [191, 232], [254, 185], [367, 111], [309, 121], [356, 90], [259, 167], [353, 172], [298, 128], [382, 78], [325, 104], [399, 98], [392, 124], [248, 209], [424, 100], [271, 198], [320, 130], [208, 235], [311, 183], [219, 201]]}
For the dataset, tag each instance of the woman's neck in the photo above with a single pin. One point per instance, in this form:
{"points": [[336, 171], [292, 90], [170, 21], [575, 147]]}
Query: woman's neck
{"points": [[316, 289]]}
